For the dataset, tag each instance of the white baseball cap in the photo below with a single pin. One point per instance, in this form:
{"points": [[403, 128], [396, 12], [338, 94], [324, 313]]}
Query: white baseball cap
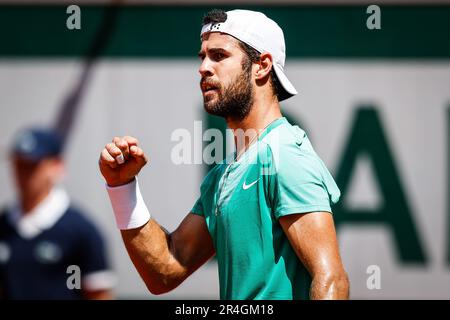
{"points": [[261, 33]]}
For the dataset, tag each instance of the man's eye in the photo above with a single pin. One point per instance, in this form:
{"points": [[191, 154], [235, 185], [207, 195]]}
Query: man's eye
{"points": [[219, 56]]}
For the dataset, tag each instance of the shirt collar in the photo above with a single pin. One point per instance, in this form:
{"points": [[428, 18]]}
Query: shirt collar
{"points": [[41, 218], [271, 126], [231, 157]]}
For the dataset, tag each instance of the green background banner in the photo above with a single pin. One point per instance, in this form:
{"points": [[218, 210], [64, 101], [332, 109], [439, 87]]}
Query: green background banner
{"points": [[159, 31]]}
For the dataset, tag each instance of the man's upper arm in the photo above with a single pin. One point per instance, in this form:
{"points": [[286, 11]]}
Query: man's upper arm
{"points": [[191, 243], [313, 238]]}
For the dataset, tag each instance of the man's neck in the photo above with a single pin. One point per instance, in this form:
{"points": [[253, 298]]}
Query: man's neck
{"points": [[29, 202], [260, 116]]}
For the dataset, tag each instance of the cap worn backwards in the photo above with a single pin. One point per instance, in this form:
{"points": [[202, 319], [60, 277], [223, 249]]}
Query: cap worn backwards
{"points": [[261, 33]]}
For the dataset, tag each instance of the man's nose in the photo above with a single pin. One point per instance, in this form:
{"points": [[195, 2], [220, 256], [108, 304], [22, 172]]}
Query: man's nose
{"points": [[206, 69]]}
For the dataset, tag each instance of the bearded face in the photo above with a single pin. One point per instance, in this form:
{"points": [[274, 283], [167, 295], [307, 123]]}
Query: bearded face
{"points": [[232, 99]]}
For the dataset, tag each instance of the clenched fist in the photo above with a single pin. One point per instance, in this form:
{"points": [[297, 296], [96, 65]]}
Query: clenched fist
{"points": [[121, 160]]}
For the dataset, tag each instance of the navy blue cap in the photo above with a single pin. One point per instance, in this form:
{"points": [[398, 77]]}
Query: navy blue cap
{"points": [[37, 143]]}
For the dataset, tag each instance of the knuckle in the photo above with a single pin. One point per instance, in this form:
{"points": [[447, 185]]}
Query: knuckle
{"points": [[122, 144], [113, 149], [131, 139]]}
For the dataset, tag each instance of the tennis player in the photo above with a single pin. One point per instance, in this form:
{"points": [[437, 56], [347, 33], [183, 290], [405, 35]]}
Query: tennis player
{"points": [[265, 211]]}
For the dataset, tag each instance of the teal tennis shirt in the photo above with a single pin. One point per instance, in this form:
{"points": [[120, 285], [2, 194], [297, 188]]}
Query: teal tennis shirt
{"points": [[280, 174]]}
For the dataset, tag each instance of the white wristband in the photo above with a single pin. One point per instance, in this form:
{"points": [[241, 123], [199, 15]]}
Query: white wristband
{"points": [[128, 205]]}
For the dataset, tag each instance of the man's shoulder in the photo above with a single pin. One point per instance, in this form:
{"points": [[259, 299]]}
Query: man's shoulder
{"points": [[284, 143], [284, 136], [4, 211], [77, 219], [290, 152]]}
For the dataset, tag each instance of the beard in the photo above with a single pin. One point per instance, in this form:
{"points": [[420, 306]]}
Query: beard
{"points": [[233, 101]]}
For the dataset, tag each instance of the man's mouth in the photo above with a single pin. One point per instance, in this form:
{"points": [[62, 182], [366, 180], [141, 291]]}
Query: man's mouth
{"points": [[208, 87]]}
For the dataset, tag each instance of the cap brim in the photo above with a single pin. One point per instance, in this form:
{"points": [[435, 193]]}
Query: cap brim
{"points": [[288, 88]]}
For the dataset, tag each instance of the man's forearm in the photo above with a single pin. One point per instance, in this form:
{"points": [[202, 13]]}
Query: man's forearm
{"points": [[334, 287], [147, 243], [149, 250]]}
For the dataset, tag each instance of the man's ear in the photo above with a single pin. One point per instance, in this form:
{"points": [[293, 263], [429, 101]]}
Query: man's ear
{"points": [[264, 66]]}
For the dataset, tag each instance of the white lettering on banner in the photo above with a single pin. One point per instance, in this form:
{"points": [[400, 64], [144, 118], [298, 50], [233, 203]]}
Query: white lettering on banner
{"points": [[73, 22], [374, 280], [374, 20]]}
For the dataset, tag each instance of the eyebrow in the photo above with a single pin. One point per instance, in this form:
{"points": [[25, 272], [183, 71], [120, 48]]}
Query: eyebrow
{"points": [[213, 50]]}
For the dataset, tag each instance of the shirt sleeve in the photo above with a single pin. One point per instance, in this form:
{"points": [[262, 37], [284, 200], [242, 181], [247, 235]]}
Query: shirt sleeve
{"points": [[198, 208], [300, 182], [96, 274], [208, 182]]}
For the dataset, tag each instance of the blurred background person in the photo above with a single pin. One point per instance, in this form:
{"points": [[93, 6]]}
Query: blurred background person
{"points": [[42, 234]]}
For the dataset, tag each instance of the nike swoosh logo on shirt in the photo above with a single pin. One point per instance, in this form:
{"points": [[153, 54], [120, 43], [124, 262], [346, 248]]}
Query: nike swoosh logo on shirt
{"points": [[246, 186]]}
